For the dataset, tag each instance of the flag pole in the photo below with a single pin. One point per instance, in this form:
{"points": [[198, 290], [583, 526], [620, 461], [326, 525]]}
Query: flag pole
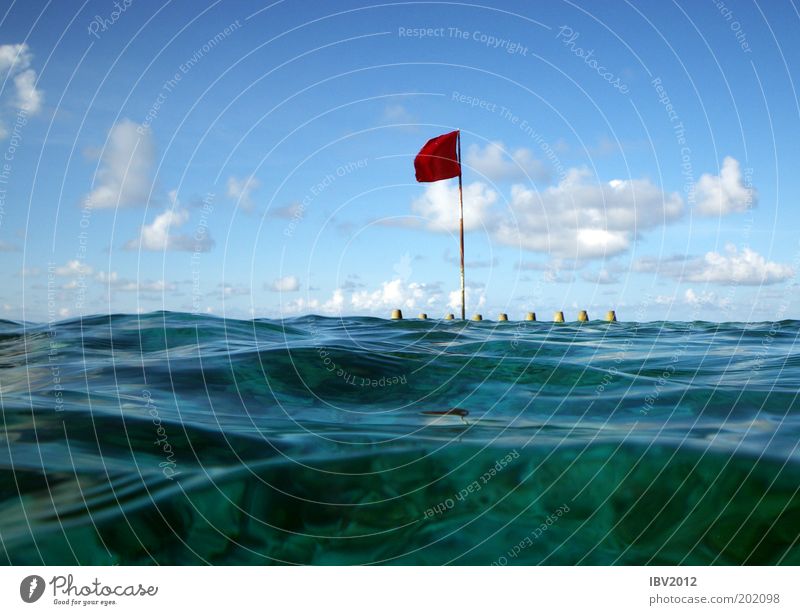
{"points": [[461, 219]]}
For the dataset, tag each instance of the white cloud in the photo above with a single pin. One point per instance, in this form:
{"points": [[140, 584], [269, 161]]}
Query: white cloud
{"points": [[28, 97], [157, 286], [113, 281], [15, 58], [580, 218], [496, 163], [726, 193], [439, 206], [231, 290], [475, 298], [335, 304], [126, 166], [286, 284], [107, 277], [576, 219], [15, 61], [299, 305], [391, 294], [705, 299], [161, 235], [396, 293], [73, 268], [584, 219], [745, 267], [242, 189]]}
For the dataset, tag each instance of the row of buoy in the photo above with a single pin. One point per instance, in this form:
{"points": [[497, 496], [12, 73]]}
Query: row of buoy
{"points": [[583, 316]]}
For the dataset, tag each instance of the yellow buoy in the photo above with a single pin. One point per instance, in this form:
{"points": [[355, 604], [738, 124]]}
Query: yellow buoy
{"points": [[559, 317], [397, 315], [423, 316], [583, 316], [611, 316], [477, 317], [503, 317], [449, 317], [530, 316]]}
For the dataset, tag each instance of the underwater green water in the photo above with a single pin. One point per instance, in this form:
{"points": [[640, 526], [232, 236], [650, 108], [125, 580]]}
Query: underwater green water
{"points": [[178, 439]]}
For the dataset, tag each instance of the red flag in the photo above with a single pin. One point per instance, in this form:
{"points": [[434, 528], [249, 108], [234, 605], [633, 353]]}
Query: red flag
{"points": [[438, 159]]}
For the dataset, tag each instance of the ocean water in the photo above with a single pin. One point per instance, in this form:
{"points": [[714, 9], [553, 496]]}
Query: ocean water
{"points": [[178, 439]]}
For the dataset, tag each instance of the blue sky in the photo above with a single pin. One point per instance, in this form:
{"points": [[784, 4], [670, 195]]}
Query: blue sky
{"points": [[254, 159]]}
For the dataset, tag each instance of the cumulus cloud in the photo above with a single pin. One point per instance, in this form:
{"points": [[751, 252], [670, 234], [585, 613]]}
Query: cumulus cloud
{"points": [[73, 268], [241, 190], [726, 193], [286, 284], [335, 304], [746, 267], [497, 164], [396, 293], [113, 281], [126, 167], [28, 98], [439, 206], [296, 306], [161, 235], [580, 218], [390, 294], [475, 298], [15, 61], [231, 290], [14, 58], [583, 219], [705, 299]]}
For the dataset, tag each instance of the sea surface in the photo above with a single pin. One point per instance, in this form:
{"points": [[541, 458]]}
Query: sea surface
{"points": [[172, 438]]}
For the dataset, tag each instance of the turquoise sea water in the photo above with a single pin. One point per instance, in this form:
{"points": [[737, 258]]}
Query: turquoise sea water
{"points": [[178, 439]]}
